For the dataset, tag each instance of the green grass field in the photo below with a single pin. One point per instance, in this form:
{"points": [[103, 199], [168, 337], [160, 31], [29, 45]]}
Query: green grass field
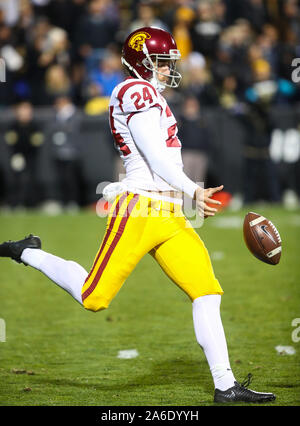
{"points": [[57, 353]]}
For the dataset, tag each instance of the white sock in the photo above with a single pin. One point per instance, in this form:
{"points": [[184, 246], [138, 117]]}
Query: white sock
{"points": [[211, 337], [67, 274]]}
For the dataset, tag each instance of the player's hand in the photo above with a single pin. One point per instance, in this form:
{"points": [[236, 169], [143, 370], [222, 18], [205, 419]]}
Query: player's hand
{"points": [[203, 197]]}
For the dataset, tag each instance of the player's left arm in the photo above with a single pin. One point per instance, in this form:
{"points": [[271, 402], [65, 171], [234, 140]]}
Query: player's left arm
{"points": [[149, 139], [146, 132]]}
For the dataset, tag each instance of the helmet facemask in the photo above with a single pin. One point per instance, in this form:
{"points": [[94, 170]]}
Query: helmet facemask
{"points": [[152, 63]]}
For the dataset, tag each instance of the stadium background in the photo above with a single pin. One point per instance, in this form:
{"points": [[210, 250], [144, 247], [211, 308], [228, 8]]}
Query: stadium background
{"points": [[237, 95]]}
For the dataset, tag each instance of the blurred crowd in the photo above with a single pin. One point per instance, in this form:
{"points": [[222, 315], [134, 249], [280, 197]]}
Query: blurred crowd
{"points": [[236, 55], [54, 47]]}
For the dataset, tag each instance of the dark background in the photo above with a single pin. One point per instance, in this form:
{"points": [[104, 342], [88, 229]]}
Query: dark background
{"points": [[236, 67]]}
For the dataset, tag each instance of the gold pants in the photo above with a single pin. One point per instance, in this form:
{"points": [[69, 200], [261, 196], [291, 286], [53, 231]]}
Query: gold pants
{"points": [[138, 225]]}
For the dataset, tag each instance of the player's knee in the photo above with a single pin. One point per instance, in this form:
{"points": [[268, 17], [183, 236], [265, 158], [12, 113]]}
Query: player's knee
{"points": [[95, 304]]}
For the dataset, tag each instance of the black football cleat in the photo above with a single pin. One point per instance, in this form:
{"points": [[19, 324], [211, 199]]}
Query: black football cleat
{"points": [[240, 393], [14, 249]]}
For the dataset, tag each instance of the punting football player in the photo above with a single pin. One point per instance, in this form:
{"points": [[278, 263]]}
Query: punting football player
{"points": [[146, 214]]}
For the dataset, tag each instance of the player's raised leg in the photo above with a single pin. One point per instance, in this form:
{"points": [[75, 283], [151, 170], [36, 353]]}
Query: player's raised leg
{"points": [[66, 274], [125, 242], [95, 289], [123, 246]]}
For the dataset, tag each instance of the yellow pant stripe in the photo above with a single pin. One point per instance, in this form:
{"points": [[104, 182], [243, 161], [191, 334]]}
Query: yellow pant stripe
{"points": [[111, 227], [120, 216]]}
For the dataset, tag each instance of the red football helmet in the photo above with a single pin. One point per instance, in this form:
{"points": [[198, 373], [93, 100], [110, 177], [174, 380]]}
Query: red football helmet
{"points": [[145, 48]]}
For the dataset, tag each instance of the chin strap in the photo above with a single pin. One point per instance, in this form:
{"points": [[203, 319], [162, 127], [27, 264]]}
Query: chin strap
{"points": [[124, 62], [157, 85]]}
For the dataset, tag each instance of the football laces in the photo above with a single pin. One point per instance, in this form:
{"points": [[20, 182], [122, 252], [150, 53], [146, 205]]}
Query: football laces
{"points": [[275, 231]]}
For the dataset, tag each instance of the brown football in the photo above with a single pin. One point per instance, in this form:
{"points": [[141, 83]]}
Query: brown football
{"points": [[262, 238]]}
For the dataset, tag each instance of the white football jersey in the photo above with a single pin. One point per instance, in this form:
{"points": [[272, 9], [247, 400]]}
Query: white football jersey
{"points": [[128, 98]]}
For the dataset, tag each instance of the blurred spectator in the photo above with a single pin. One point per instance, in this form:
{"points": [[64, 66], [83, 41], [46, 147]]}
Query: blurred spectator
{"points": [[266, 89], [268, 42], [196, 140], [57, 83], [66, 14], [254, 11], [197, 78], [96, 104], [260, 174], [228, 95], [232, 54], [182, 30], [40, 6], [101, 83], [24, 27], [289, 42], [48, 53], [55, 48], [109, 72], [10, 11], [146, 18], [66, 150], [261, 177], [24, 139], [12, 58], [96, 30], [206, 28], [291, 17]]}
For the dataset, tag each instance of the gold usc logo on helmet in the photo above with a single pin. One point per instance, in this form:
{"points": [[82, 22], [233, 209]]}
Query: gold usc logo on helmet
{"points": [[137, 40]]}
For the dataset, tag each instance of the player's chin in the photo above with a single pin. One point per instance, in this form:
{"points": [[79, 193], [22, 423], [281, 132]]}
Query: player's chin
{"points": [[163, 78]]}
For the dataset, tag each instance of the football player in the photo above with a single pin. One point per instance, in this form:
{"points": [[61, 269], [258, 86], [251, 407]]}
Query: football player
{"points": [[146, 213]]}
